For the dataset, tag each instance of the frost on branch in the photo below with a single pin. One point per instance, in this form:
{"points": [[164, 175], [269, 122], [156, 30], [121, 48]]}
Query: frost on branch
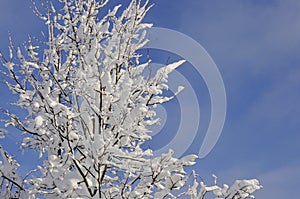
{"points": [[90, 107], [241, 189]]}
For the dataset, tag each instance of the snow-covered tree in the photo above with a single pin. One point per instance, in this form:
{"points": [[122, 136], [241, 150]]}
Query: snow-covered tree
{"points": [[90, 106]]}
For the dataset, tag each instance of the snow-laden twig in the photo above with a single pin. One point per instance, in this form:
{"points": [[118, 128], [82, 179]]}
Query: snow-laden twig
{"points": [[90, 106]]}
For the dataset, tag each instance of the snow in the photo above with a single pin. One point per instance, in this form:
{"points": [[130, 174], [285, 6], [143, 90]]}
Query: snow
{"points": [[90, 107], [39, 121]]}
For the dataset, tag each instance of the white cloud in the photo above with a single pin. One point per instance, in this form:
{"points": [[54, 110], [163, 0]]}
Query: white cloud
{"points": [[256, 46], [277, 183], [244, 35], [280, 183]]}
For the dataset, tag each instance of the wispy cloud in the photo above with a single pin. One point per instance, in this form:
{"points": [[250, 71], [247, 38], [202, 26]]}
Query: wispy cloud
{"points": [[280, 183], [256, 46], [244, 36]]}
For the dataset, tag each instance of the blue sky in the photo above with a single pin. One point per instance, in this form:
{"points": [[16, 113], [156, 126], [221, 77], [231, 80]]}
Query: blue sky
{"points": [[255, 45]]}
